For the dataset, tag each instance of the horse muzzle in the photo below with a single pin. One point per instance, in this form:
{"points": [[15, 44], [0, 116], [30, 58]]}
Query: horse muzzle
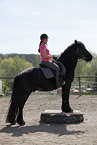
{"points": [[88, 57]]}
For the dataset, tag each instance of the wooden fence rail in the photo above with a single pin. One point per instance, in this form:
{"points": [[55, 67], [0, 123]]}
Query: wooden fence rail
{"points": [[78, 77], [79, 80], [6, 78]]}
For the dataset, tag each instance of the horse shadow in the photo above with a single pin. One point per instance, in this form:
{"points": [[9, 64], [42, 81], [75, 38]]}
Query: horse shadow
{"points": [[59, 129]]}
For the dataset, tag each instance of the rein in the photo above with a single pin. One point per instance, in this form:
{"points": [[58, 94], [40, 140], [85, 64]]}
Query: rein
{"points": [[79, 58]]}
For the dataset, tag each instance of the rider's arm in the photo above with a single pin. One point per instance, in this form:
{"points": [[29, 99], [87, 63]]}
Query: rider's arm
{"points": [[45, 54]]}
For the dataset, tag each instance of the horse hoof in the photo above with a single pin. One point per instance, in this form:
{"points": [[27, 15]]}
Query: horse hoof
{"points": [[21, 123], [13, 123], [68, 111]]}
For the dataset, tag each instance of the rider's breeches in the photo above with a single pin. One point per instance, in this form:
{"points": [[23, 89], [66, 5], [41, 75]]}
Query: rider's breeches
{"points": [[54, 67]]}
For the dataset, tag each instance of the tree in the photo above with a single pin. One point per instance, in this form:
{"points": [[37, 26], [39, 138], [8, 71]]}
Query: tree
{"points": [[94, 66], [95, 84], [38, 59], [12, 66]]}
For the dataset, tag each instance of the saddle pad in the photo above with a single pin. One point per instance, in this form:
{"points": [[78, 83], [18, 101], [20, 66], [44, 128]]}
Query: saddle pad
{"points": [[62, 68], [47, 72]]}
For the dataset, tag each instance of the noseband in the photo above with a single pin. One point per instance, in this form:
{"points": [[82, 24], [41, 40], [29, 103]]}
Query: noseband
{"points": [[77, 52]]}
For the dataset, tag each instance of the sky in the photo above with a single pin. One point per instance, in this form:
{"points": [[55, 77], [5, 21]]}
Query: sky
{"points": [[23, 21]]}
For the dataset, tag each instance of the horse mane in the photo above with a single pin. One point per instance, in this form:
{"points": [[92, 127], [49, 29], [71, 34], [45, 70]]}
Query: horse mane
{"points": [[69, 50]]}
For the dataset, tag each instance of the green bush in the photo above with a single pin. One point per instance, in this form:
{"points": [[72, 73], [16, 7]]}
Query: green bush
{"points": [[5, 88]]}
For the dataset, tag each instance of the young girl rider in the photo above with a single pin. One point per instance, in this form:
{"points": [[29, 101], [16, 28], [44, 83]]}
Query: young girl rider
{"points": [[46, 58]]}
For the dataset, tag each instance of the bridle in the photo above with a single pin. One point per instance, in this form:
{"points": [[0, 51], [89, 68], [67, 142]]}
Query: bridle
{"points": [[82, 58], [79, 58]]}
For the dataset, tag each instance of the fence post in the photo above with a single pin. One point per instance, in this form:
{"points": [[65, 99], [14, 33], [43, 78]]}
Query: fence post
{"points": [[79, 85]]}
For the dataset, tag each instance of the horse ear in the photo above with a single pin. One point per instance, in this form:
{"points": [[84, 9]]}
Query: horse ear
{"points": [[75, 42]]}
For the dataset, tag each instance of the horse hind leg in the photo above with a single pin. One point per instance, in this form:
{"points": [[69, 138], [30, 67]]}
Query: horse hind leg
{"points": [[22, 102], [12, 112], [14, 104], [13, 109], [20, 120]]}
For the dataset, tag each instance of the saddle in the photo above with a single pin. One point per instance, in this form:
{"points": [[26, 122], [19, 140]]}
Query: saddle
{"points": [[49, 73]]}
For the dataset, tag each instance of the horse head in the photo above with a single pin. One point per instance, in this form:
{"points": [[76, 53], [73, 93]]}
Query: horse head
{"points": [[82, 52]]}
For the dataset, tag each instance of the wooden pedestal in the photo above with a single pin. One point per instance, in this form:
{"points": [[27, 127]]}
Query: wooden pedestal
{"points": [[57, 116]]}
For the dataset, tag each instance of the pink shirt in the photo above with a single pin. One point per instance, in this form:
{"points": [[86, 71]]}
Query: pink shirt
{"points": [[43, 46]]}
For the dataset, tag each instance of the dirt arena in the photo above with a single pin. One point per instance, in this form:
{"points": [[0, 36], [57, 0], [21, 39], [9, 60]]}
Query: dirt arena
{"points": [[34, 133]]}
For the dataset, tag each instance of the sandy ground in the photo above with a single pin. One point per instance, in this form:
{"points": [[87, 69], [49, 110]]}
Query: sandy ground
{"points": [[34, 133]]}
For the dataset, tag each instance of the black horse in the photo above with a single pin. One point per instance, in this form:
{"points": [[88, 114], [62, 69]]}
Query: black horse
{"points": [[33, 79]]}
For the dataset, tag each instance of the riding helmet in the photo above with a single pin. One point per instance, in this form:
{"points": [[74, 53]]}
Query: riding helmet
{"points": [[43, 36]]}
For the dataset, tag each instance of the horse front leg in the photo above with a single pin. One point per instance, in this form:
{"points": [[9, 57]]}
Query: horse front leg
{"points": [[65, 98]]}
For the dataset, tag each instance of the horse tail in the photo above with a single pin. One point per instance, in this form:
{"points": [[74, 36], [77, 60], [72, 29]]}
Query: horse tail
{"points": [[14, 103]]}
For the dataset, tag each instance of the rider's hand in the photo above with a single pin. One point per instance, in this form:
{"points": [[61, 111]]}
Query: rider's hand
{"points": [[55, 58]]}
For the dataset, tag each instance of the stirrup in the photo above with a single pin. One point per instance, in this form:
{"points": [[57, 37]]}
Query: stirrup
{"points": [[62, 82]]}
